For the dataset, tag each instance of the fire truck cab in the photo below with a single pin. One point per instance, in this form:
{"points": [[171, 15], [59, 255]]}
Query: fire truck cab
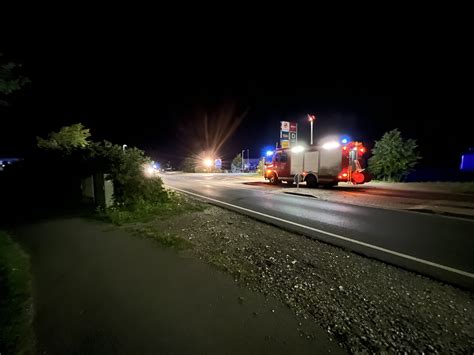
{"points": [[324, 165]]}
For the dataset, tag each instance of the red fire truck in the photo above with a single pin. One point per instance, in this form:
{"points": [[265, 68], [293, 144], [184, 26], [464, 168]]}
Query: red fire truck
{"points": [[324, 165]]}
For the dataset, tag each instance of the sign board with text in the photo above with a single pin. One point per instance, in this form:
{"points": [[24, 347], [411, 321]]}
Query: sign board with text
{"points": [[285, 126], [288, 134]]}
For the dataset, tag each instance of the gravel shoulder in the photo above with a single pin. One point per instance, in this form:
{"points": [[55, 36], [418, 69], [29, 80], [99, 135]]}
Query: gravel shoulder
{"points": [[363, 304]]}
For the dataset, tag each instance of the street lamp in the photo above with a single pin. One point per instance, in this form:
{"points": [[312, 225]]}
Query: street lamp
{"points": [[311, 118], [124, 146], [148, 170], [208, 163]]}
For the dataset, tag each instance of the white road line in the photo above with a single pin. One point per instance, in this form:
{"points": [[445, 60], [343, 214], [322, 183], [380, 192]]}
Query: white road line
{"points": [[409, 257]]}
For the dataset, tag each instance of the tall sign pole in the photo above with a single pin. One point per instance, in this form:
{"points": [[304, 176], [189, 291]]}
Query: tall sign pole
{"points": [[311, 118]]}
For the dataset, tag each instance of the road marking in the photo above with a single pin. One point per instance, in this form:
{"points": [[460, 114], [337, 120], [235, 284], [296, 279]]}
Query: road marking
{"points": [[388, 251]]}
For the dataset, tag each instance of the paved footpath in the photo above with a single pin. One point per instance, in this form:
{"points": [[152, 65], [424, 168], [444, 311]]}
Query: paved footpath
{"points": [[98, 290]]}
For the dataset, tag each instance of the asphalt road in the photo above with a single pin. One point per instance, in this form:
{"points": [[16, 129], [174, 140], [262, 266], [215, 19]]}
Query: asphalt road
{"points": [[437, 246]]}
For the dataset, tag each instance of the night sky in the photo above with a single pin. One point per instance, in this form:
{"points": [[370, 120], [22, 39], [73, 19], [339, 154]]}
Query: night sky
{"points": [[159, 92]]}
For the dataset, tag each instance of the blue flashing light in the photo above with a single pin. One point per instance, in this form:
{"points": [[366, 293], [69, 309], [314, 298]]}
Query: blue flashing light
{"points": [[269, 153], [345, 139], [467, 162]]}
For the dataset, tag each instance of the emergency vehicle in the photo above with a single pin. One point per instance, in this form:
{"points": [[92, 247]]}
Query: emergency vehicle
{"points": [[325, 165]]}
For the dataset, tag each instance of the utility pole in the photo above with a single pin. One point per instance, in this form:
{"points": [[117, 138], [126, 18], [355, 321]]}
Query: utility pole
{"points": [[242, 159]]}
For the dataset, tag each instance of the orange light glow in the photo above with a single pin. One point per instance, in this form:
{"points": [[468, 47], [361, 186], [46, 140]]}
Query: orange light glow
{"points": [[358, 178]]}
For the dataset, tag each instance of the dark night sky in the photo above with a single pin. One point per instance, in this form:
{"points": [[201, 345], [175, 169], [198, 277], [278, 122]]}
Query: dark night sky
{"points": [[155, 91]]}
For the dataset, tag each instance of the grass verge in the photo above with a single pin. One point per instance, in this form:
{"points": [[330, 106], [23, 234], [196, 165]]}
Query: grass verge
{"points": [[145, 212], [139, 219], [16, 311], [166, 239]]}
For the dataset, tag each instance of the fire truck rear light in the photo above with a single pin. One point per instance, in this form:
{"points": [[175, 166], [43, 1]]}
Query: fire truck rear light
{"points": [[358, 178], [362, 150], [344, 148], [345, 174], [340, 177]]}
